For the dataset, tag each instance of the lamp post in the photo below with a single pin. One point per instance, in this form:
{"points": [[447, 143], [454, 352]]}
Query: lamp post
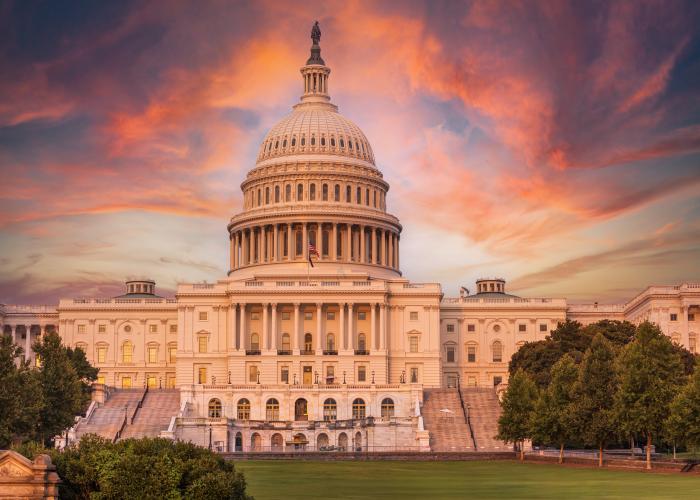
{"points": [[209, 436], [229, 377]]}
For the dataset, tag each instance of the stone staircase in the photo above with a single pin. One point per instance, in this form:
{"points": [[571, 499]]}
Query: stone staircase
{"points": [[107, 419], [484, 410], [158, 407], [444, 420]]}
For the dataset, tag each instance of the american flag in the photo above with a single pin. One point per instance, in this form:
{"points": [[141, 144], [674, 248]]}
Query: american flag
{"points": [[313, 251]]}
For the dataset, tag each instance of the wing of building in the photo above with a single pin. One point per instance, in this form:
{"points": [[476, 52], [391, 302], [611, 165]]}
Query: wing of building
{"points": [[314, 339]]}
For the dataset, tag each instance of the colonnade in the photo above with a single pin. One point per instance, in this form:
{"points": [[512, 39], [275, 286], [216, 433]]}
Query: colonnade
{"points": [[17, 330], [334, 242]]}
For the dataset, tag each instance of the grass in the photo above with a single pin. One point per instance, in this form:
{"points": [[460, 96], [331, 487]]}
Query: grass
{"points": [[437, 480]]}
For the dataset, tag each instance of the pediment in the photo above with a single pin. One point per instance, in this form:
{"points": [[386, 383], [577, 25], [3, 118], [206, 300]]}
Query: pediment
{"points": [[13, 464]]}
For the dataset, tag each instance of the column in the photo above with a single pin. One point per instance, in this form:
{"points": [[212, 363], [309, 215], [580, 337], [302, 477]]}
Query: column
{"points": [[276, 243], [373, 255], [396, 251], [242, 335], [351, 335], [334, 243], [382, 327], [232, 263], [363, 246], [261, 244], [251, 246], [391, 249], [343, 341], [295, 339], [383, 247], [273, 345], [305, 241], [319, 328], [372, 344], [265, 344], [27, 341], [289, 242], [348, 256], [14, 334], [231, 343]]}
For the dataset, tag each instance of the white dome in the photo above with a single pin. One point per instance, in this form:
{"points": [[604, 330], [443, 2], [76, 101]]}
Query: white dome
{"points": [[316, 128]]}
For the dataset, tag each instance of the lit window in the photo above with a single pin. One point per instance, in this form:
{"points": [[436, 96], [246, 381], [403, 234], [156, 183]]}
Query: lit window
{"points": [[172, 354], [101, 379], [101, 354], [450, 328], [126, 382], [127, 352], [413, 343], [471, 354], [413, 316], [214, 408], [81, 328], [101, 328], [202, 344], [153, 328], [202, 375], [37, 361], [497, 348], [202, 316], [361, 374], [243, 410], [522, 328], [152, 355]]}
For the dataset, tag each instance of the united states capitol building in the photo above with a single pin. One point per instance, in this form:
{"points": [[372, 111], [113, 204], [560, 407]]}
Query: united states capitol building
{"points": [[343, 354]]}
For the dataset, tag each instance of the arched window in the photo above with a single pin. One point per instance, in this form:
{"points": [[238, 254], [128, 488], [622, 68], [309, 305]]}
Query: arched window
{"points": [[330, 342], [214, 408], [361, 344], [387, 408], [254, 342], [301, 409], [284, 143], [294, 141], [256, 442], [303, 140], [285, 342], [127, 352], [313, 140], [324, 192], [497, 351], [312, 237], [322, 442], [243, 409], [348, 194], [358, 408], [323, 141], [333, 141], [325, 237], [277, 144], [342, 143], [288, 193], [375, 199], [337, 192], [349, 144], [300, 192], [277, 194], [330, 410], [308, 342], [312, 192], [342, 441], [277, 442], [267, 195], [272, 410], [299, 243]]}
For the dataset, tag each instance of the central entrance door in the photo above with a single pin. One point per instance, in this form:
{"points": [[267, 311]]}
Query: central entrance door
{"points": [[307, 379], [301, 410]]}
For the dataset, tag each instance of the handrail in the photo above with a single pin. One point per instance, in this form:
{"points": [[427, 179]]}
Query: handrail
{"points": [[121, 429], [466, 415], [139, 405]]}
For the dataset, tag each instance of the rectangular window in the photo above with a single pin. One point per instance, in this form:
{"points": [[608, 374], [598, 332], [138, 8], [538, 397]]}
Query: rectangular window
{"points": [[101, 328], [152, 381], [101, 379], [203, 316], [330, 316], [413, 315], [252, 374], [330, 374], [471, 354], [497, 381], [413, 344], [173, 328], [37, 361], [202, 375], [361, 374], [450, 328], [172, 354], [202, 344], [101, 354], [284, 375], [691, 316], [81, 328], [361, 315], [522, 328], [450, 354], [285, 315], [308, 316], [254, 316], [471, 328], [152, 355], [126, 382], [153, 328], [543, 327], [674, 317], [414, 375]]}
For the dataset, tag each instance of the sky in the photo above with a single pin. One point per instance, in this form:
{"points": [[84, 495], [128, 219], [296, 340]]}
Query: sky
{"points": [[554, 144]]}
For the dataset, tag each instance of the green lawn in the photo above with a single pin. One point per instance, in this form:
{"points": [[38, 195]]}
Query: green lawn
{"points": [[434, 480]]}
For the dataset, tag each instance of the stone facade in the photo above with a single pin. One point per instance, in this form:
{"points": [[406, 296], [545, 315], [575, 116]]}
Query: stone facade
{"points": [[22, 478]]}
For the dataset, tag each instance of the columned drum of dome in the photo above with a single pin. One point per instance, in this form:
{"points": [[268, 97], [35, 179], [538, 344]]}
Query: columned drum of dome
{"points": [[315, 185]]}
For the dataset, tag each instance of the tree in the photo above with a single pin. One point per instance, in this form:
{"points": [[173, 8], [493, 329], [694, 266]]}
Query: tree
{"points": [[62, 390], [650, 376], [683, 423], [517, 405], [84, 370], [552, 416], [20, 395], [594, 394]]}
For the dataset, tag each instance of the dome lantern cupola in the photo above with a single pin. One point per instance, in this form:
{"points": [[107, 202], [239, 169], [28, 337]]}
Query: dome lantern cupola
{"points": [[315, 73]]}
